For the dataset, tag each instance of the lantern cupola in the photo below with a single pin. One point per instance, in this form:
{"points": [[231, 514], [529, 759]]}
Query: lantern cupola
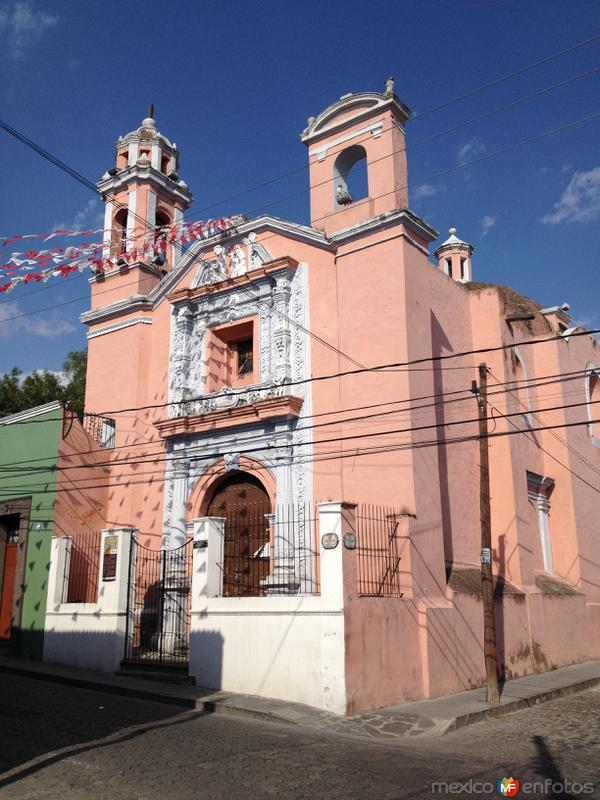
{"points": [[144, 197], [454, 258]]}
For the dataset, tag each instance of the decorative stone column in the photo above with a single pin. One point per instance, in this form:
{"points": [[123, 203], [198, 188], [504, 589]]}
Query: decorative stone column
{"points": [[179, 476], [181, 347], [282, 337]]}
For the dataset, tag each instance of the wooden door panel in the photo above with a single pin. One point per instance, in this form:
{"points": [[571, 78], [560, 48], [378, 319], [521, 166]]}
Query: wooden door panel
{"points": [[8, 587], [243, 501]]}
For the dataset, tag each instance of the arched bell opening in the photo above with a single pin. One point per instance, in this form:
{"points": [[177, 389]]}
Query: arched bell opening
{"points": [[161, 223], [350, 180], [119, 232]]}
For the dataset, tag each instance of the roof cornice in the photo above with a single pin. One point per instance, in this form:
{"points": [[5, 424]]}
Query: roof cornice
{"points": [[55, 405], [143, 175]]}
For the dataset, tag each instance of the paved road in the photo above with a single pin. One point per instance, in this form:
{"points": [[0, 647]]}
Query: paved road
{"points": [[60, 743]]}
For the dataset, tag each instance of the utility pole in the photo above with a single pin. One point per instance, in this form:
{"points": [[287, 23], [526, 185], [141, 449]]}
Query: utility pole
{"points": [[487, 580]]}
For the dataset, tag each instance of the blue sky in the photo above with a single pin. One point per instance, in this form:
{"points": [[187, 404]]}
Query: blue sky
{"points": [[233, 85]]}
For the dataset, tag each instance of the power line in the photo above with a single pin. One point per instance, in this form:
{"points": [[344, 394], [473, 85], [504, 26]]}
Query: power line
{"points": [[88, 183], [438, 401], [162, 457], [353, 453], [405, 148], [419, 115]]}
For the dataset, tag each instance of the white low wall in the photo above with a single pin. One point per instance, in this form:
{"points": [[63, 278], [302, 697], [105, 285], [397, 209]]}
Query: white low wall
{"points": [[89, 635], [287, 648], [290, 648]]}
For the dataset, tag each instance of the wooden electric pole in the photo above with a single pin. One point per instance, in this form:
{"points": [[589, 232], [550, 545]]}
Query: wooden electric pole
{"points": [[487, 580]]}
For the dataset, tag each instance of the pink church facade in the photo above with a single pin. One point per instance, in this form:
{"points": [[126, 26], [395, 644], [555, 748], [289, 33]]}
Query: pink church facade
{"points": [[315, 367]]}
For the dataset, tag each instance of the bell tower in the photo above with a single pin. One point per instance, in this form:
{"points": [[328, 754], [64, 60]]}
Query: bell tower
{"points": [[144, 195], [357, 159]]}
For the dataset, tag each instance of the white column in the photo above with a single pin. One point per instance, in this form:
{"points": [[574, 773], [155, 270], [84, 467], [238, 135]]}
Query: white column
{"points": [[333, 648], [59, 564], [207, 560], [177, 219], [107, 235], [133, 154], [112, 592], [180, 470], [131, 218], [332, 576]]}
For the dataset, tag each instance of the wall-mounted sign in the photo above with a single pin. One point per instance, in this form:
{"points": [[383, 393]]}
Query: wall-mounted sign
{"points": [[349, 540], [200, 544], [109, 558], [486, 555], [330, 541]]}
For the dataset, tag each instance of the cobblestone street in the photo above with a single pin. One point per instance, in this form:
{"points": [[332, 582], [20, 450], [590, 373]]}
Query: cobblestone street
{"points": [[61, 743]]}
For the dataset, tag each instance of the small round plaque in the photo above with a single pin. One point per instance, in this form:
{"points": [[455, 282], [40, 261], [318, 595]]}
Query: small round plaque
{"points": [[330, 541], [349, 540]]}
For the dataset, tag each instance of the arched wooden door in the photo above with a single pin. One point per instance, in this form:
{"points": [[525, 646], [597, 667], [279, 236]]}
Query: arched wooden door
{"points": [[243, 501]]}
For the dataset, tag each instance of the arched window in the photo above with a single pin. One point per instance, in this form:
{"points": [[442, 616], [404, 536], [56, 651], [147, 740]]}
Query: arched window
{"points": [[161, 221], [592, 395], [520, 388], [350, 181], [119, 234]]}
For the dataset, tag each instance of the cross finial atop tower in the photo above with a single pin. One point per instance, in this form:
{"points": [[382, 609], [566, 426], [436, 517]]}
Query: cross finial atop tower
{"points": [[150, 113]]}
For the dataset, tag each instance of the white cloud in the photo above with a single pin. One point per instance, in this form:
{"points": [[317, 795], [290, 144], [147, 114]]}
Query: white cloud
{"points": [[58, 373], [580, 201], [487, 223], [469, 150], [90, 216], [47, 325], [21, 25], [427, 190]]}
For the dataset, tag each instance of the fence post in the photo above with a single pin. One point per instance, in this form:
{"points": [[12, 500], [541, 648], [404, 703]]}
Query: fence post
{"points": [[331, 518], [207, 559], [59, 556]]}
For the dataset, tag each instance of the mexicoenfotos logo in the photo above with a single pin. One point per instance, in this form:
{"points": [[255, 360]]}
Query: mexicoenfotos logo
{"points": [[507, 787]]}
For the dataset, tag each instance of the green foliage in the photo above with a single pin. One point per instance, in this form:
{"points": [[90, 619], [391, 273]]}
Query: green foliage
{"points": [[42, 387]]}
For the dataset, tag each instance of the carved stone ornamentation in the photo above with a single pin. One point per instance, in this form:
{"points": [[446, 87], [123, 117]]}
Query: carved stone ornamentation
{"points": [[232, 461]]}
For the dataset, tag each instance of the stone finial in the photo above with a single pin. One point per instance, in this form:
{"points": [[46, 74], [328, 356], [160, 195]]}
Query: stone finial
{"points": [[452, 231], [389, 85], [150, 114]]}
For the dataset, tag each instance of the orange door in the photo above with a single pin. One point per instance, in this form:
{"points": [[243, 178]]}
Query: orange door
{"points": [[8, 586]]}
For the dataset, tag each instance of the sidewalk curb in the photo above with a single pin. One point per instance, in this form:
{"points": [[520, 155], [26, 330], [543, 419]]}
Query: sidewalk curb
{"points": [[439, 726], [518, 705], [191, 703]]}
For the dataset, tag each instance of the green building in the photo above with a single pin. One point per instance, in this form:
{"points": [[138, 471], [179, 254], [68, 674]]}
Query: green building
{"points": [[29, 451]]}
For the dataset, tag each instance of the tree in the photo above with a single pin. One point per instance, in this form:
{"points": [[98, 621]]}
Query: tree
{"points": [[75, 368], [10, 392], [42, 386]]}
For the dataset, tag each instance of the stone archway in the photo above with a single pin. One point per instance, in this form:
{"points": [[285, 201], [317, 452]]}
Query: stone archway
{"points": [[243, 502]]}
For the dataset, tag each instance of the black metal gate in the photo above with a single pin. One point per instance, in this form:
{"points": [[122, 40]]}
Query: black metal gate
{"points": [[158, 608]]}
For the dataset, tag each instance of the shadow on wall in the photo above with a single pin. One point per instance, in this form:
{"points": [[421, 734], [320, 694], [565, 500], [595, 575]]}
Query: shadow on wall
{"points": [[206, 650], [105, 650], [441, 346]]}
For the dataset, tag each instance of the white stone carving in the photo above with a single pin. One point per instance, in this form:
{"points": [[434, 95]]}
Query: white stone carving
{"points": [[232, 260], [232, 461]]}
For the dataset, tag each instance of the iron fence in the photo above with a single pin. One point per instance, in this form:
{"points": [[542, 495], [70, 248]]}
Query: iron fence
{"points": [[158, 613], [82, 568], [378, 551], [270, 552]]}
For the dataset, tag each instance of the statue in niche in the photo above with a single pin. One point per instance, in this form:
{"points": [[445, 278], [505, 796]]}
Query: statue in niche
{"points": [[238, 261]]}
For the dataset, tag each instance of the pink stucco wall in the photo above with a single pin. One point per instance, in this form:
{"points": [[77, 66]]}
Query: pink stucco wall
{"points": [[376, 297]]}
